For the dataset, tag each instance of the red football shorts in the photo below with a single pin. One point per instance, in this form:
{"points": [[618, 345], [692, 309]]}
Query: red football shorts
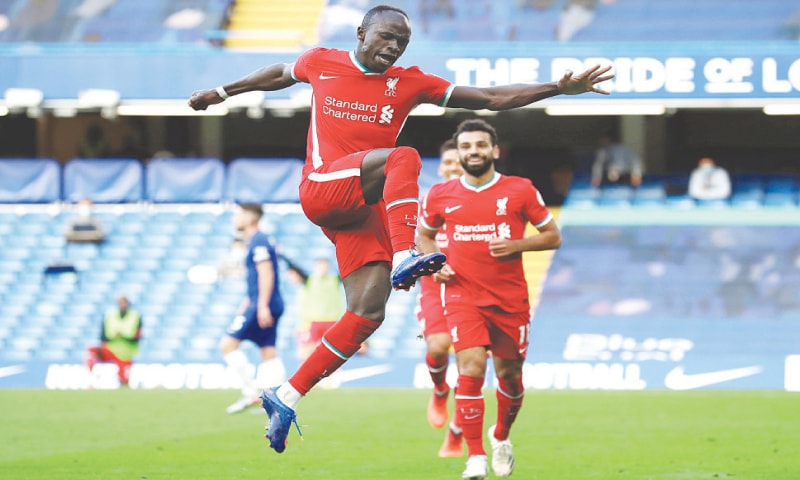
{"points": [[505, 334], [430, 311], [331, 197]]}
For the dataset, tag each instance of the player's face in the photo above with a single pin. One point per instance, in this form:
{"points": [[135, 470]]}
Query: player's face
{"points": [[383, 41], [241, 219], [476, 152], [123, 304], [450, 165]]}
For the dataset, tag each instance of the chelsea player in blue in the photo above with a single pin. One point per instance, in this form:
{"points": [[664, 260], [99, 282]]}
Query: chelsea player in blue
{"points": [[259, 313]]}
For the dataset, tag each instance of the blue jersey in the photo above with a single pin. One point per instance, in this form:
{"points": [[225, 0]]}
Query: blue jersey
{"points": [[260, 249]]}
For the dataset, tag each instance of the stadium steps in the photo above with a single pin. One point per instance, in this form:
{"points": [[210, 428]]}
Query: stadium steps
{"points": [[274, 24]]}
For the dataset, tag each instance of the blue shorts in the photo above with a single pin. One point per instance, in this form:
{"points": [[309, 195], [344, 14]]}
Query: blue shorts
{"points": [[245, 327]]}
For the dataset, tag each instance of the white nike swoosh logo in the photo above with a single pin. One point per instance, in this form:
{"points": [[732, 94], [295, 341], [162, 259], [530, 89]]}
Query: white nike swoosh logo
{"points": [[472, 417], [343, 376], [13, 370], [523, 350], [676, 379], [452, 209], [322, 76]]}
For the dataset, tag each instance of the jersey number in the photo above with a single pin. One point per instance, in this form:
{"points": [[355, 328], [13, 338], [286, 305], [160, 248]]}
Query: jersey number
{"points": [[524, 334]]}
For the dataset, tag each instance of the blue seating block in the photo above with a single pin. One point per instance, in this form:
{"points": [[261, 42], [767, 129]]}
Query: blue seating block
{"points": [[104, 180], [30, 180], [264, 180], [185, 180]]}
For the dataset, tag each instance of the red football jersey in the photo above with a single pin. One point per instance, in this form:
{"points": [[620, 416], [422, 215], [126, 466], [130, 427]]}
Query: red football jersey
{"points": [[474, 215], [354, 109]]}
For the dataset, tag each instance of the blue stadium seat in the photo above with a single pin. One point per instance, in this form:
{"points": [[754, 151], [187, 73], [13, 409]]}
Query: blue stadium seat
{"points": [[175, 268], [679, 201], [648, 20], [581, 193], [747, 198], [264, 180], [715, 203], [103, 180], [780, 184], [127, 229], [157, 240], [30, 180], [747, 183], [145, 251], [193, 227], [534, 25], [145, 264], [185, 180], [780, 199], [615, 196]]}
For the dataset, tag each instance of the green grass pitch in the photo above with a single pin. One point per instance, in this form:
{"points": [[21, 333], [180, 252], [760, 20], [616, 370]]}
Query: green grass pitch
{"points": [[383, 434]]}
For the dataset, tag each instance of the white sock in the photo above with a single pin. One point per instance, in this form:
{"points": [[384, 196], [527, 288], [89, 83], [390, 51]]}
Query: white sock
{"points": [[399, 257], [455, 429], [289, 395], [238, 362], [271, 372]]}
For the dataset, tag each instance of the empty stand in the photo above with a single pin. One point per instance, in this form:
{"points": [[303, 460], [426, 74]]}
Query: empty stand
{"points": [[277, 24], [113, 21], [151, 248], [148, 254], [749, 191], [687, 20]]}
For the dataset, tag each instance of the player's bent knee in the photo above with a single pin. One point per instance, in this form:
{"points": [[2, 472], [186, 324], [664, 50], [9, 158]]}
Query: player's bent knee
{"points": [[407, 157]]}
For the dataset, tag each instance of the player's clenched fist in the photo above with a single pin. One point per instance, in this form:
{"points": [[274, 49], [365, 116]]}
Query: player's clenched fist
{"points": [[201, 99]]}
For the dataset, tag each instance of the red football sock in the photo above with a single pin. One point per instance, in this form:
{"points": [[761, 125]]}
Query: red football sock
{"points": [[340, 342], [509, 400], [469, 412], [401, 194], [124, 372], [437, 367], [91, 358]]}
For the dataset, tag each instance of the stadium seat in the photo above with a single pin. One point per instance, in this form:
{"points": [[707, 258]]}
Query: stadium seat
{"points": [[185, 180], [747, 199], [264, 180], [780, 199], [780, 184], [103, 180], [615, 196], [679, 201], [715, 203], [30, 180]]}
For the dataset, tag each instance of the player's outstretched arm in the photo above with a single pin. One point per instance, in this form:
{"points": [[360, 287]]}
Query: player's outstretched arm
{"points": [[547, 238], [274, 77], [426, 240], [506, 97], [426, 243]]}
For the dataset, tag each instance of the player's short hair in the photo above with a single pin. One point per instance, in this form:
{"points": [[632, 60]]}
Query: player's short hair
{"points": [[448, 144], [378, 10], [475, 125], [255, 208]]}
